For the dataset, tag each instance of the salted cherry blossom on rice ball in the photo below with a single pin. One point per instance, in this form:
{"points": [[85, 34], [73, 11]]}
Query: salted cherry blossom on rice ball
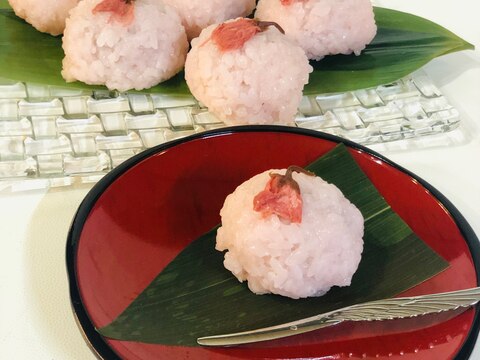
{"points": [[247, 72], [323, 27], [46, 15], [198, 14], [123, 44]]}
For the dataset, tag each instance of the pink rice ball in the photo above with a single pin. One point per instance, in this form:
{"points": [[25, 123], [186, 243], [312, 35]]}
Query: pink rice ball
{"points": [[260, 82], [292, 259], [198, 14], [323, 27], [46, 15], [134, 52]]}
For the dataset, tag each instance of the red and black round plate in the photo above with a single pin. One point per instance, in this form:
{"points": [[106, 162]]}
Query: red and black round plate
{"points": [[118, 242]]}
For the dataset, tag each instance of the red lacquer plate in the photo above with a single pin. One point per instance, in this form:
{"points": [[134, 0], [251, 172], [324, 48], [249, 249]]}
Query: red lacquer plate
{"points": [[143, 213]]}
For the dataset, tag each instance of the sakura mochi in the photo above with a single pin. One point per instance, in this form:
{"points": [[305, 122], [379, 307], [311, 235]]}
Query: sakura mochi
{"points": [[323, 27], [198, 14], [123, 44], [247, 72], [290, 233], [46, 15]]}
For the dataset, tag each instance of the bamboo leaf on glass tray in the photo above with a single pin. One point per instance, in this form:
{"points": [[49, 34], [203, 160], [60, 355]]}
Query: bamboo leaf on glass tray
{"points": [[404, 43]]}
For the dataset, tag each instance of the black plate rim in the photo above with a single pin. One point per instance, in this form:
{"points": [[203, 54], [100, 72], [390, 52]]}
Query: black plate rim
{"points": [[97, 343]]}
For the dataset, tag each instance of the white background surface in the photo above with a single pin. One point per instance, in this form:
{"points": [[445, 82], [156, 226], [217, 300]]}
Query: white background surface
{"points": [[35, 317]]}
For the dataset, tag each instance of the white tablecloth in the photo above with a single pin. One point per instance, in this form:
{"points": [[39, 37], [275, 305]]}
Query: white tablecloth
{"points": [[36, 321]]}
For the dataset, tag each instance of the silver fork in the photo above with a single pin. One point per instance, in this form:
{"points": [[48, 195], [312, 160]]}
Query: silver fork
{"points": [[388, 309]]}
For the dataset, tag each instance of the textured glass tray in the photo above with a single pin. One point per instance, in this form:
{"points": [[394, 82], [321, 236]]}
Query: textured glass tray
{"points": [[51, 137]]}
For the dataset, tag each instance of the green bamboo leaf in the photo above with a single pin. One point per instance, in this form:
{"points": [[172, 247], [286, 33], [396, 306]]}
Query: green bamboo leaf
{"points": [[404, 43], [196, 296]]}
